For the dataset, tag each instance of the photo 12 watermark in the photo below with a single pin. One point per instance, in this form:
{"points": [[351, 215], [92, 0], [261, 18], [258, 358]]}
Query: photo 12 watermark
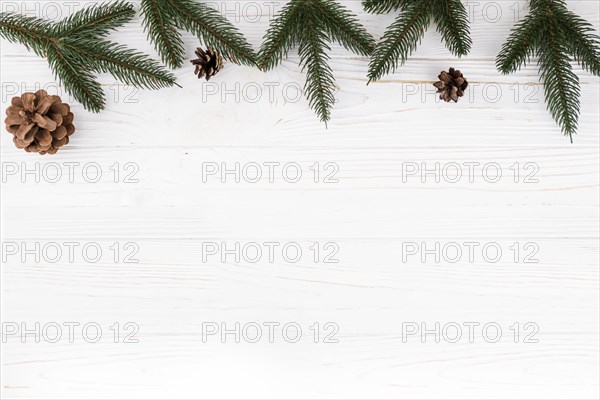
{"points": [[70, 332], [70, 252], [253, 172], [271, 252], [48, 10], [69, 172], [246, 11], [452, 252], [116, 92], [493, 12], [476, 93], [252, 92], [269, 332], [469, 332], [455, 172]]}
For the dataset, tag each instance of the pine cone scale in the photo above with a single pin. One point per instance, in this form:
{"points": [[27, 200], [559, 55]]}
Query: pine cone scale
{"points": [[60, 108], [44, 138], [20, 144], [56, 118], [454, 94], [17, 102], [60, 133], [44, 122], [44, 105], [12, 118], [31, 134], [59, 142], [28, 102], [23, 130], [440, 85]]}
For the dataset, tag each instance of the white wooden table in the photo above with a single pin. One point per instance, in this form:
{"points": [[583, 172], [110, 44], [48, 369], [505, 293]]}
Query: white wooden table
{"points": [[142, 181]]}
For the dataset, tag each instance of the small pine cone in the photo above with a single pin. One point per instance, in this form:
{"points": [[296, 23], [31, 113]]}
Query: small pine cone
{"points": [[451, 85], [39, 122], [208, 63]]}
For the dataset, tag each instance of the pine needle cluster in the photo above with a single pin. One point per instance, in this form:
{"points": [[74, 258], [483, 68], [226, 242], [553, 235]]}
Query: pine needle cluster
{"points": [[553, 33], [403, 36], [163, 19], [311, 25], [76, 48]]}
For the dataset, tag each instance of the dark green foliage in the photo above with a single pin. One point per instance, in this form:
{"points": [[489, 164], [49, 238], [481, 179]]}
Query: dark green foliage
{"points": [[405, 33], [31, 32], [582, 42], [382, 6], [311, 25], [163, 32], [124, 64], [342, 27], [400, 39], [283, 34], [164, 18], [452, 22], [522, 44], [553, 33], [76, 78], [76, 48], [320, 82]]}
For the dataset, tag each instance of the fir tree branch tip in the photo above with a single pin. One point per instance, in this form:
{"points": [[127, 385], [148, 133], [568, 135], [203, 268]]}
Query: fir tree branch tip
{"points": [[556, 36], [311, 25], [404, 35]]}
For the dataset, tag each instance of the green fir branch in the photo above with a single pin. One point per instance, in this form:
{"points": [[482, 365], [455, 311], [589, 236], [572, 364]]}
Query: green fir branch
{"points": [[76, 49], [405, 33], [521, 45], [214, 30], [554, 34], [162, 31], [283, 34], [311, 25], [400, 39], [76, 78], [582, 42], [320, 83], [97, 20], [162, 18], [452, 22], [343, 27], [129, 66], [33, 33], [561, 85]]}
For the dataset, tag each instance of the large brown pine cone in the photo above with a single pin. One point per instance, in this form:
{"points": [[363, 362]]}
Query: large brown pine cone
{"points": [[39, 122]]}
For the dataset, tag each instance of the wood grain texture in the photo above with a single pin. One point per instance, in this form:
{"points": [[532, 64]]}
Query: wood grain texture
{"points": [[373, 206]]}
